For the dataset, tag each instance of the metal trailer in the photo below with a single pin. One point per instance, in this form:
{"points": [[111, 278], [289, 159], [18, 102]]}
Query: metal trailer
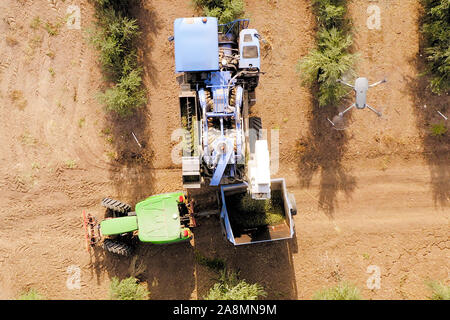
{"points": [[282, 231]]}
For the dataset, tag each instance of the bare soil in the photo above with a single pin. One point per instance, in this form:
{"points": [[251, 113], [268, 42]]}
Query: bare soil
{"points": [[377, 193]]}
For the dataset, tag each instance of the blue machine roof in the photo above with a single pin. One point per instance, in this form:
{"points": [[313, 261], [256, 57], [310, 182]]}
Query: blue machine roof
{"points": [[196, 44]]}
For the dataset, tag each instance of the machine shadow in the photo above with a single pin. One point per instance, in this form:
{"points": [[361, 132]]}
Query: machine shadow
{"points": [[323, 151], [436, 149], [269, 264], [150, 24], [168, 270], [131, 172]]}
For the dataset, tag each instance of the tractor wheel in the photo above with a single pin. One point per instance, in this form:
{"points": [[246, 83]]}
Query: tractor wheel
{"points": [[116, 205], [254, 126], [251, 98], [223, 230], [116, 247], [291, 198], [255, 123]]}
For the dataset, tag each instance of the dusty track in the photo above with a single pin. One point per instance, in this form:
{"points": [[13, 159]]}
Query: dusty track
{"points": [[377, 194]]}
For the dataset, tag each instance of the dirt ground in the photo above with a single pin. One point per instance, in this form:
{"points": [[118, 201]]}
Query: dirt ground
{"points": [[375, 194]]}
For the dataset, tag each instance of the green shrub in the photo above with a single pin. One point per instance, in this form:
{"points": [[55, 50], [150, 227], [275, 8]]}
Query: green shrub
{"points": [[436, 30], [53, 29], [115, 38], [35, 23], [343, 291], [438, 130], [251, 213], [127, 289], [215, 264], [31, 294], [224, 10], [439, 290], [327, 63], [121, 6], [330, 13], [125, 96], [230, 287], [115, 41]]}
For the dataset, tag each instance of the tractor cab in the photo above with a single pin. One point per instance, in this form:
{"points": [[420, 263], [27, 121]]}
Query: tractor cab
{"points": [[249, 48], [158, 219]]}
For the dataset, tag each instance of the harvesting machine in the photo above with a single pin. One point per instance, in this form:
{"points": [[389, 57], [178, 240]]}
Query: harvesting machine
{"points": [[220, 68]]}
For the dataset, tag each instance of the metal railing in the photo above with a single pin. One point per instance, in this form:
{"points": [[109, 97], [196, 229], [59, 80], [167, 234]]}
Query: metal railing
{"points": [[234, 27]]}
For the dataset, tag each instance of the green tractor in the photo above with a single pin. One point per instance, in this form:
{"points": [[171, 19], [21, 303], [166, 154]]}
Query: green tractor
{"points": [[159, 219]]}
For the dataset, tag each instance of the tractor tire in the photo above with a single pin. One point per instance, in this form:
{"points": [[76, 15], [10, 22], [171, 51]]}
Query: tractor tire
{"points": [[254, 126], [255, 123], [291, 198], [116, 206], [223, 230], [116, 247], [251, 98]]}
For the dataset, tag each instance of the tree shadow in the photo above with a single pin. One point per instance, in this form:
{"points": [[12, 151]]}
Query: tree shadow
{"points": [[150, 24], [269, 264], [169, 270], [131, 173], [436, 149], [323, 151]]}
